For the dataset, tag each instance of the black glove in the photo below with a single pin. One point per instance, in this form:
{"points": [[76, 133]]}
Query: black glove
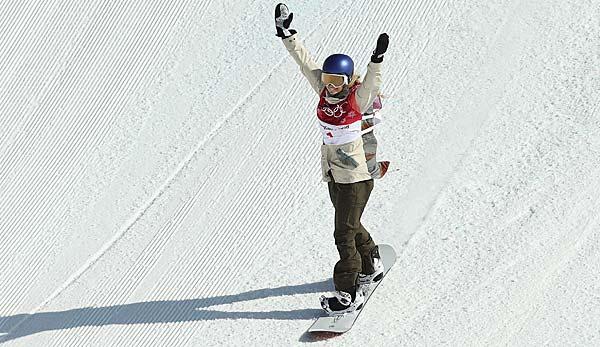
{"points": [[382, 46], [283, 19]]}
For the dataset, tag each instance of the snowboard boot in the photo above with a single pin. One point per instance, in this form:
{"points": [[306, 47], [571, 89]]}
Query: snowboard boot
{"points": [[366, 280], [343, 302]]}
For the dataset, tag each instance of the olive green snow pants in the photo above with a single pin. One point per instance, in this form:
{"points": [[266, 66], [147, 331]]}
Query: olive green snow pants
{"points": [[352, 240]]}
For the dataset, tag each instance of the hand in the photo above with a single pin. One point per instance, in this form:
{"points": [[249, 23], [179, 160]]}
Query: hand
{"points": [[382, 46], [283, 19]]}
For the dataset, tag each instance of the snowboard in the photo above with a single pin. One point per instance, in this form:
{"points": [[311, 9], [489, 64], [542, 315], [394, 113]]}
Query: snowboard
{"points": [[343, 323]]}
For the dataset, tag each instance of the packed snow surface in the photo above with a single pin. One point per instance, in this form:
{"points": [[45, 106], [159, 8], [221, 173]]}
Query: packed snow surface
{"points": [[160, 181]]}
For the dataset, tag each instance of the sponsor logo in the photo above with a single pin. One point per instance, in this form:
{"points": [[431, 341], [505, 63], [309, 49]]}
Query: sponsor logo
{"points": [[337, 111]]}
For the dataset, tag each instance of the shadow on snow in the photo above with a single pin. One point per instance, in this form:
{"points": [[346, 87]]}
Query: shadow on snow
{"points": [[12, 327]]}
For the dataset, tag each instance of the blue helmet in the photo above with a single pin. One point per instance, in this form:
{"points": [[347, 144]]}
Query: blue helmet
{"points": [[339, 64]]}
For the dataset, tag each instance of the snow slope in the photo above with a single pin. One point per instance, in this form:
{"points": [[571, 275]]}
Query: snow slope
{"points": [[159, 173]]}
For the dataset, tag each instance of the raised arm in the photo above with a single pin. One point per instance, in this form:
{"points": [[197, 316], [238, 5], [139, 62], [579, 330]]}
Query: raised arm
{"points": [[369, 89], [310, 70]]}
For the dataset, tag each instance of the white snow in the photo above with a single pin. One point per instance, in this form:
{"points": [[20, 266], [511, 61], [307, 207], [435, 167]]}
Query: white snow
{"points": [[160, 182]]}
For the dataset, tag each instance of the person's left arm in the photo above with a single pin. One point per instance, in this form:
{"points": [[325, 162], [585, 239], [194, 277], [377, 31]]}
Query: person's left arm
{"points": [[371, 85]]}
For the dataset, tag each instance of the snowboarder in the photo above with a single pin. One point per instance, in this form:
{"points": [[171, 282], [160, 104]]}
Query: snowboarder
{"points": [[343, 99]]}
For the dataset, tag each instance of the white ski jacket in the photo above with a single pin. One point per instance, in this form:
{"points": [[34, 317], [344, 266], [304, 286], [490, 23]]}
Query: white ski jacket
{"points": [[346, 161]]}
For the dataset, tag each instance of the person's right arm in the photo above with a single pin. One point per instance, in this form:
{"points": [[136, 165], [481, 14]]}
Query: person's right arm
{"points": [[292, 43]]}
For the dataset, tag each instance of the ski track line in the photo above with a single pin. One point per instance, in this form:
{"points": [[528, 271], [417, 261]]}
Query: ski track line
{"points": [[23, 114], [409, 13], [51, 203], [174, 225], [9, 224], [23, 35], [152, 45], [58, 153], [225, 226], [134, 272], [8, 19], [33, 12], [244, 254], [148, 257], [90, 323], [162, 41], [56, 98], [133, 85], [171, 226], [398, 78], [349, 37], [5, 60], [404, 68], [404, 9], [399, 75], [40, 127], [30, 85]]}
